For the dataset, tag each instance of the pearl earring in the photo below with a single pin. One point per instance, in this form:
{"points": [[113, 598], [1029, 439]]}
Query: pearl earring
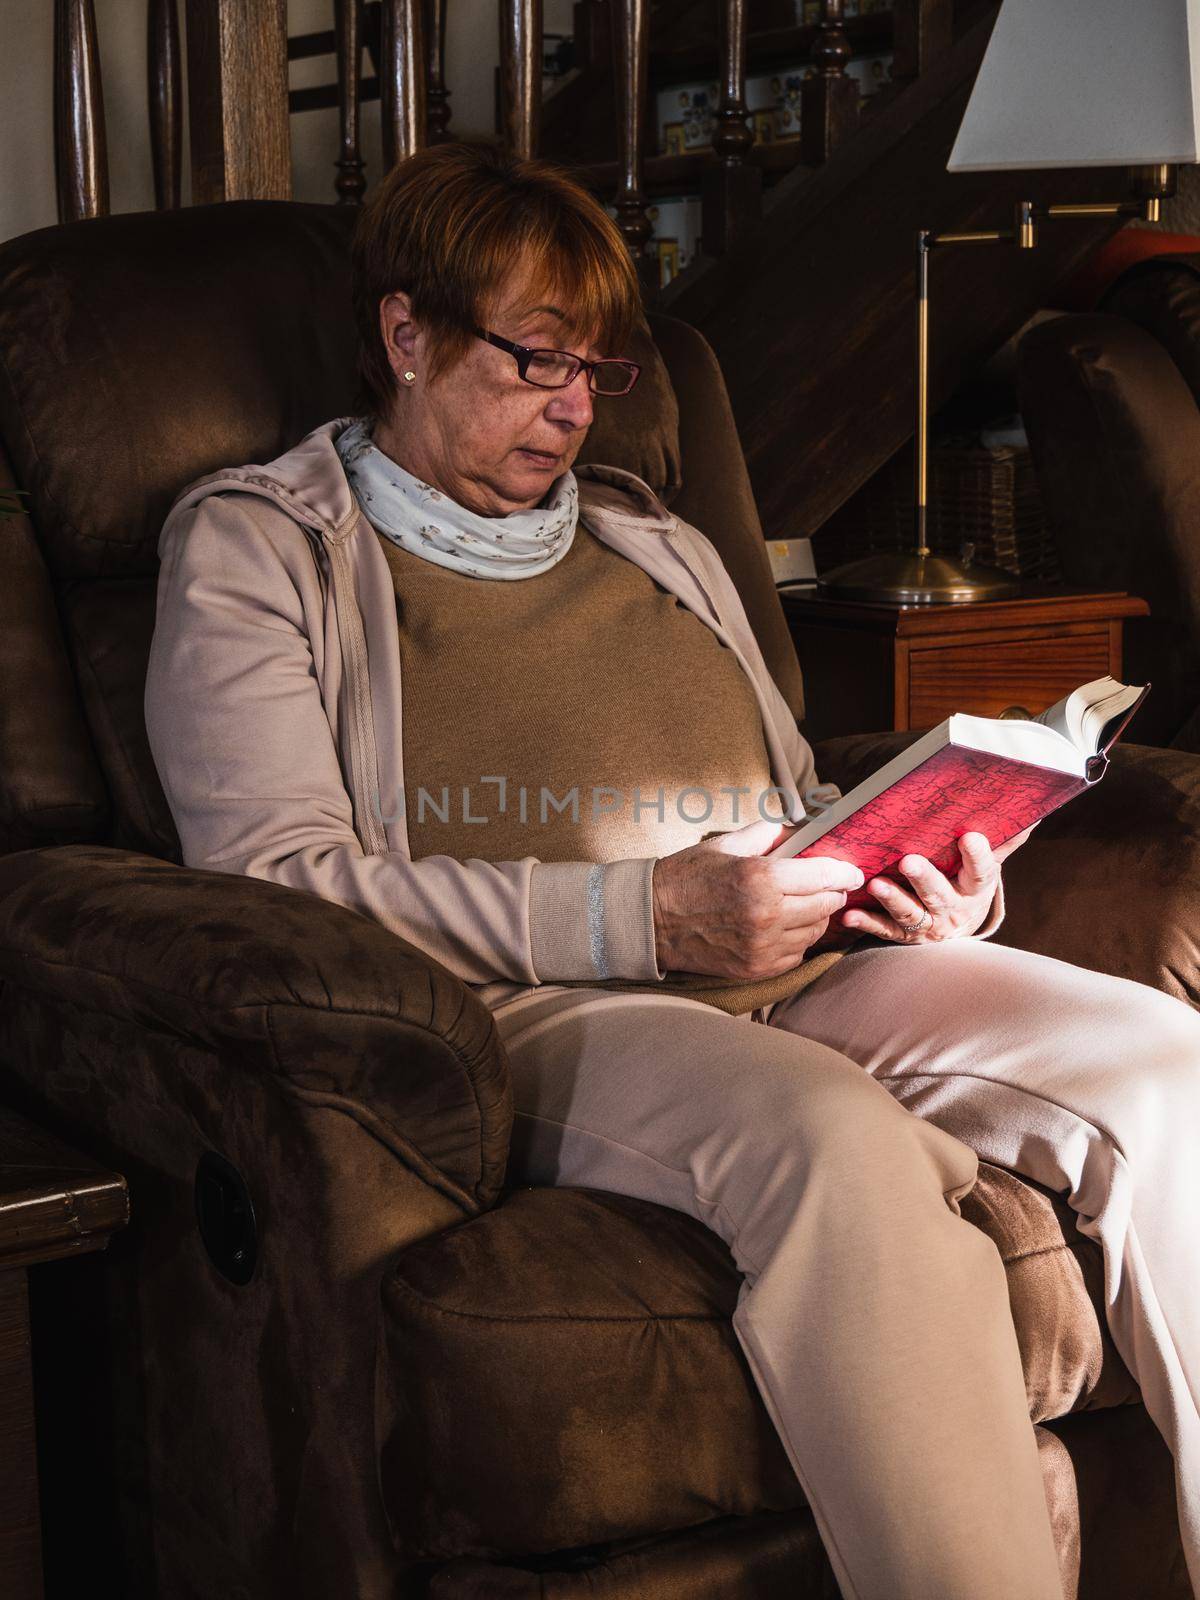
{"points": [[409, 376]]}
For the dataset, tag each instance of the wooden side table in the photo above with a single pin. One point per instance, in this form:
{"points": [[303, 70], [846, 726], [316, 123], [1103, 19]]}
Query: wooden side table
{"points": [[868, 668], [53, 1203]]}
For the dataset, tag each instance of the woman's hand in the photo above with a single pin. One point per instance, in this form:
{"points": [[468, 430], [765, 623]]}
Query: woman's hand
{"points": [[721, 908], [934, 907]]}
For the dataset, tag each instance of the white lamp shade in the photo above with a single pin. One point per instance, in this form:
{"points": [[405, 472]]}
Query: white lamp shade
{"points": [[1085, 83]]}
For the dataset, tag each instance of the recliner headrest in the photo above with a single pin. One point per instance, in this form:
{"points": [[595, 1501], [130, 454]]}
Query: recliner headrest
{"points": [[142, 351]]}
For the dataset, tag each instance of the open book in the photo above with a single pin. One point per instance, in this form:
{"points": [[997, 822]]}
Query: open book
{"points": [[970, 775]]}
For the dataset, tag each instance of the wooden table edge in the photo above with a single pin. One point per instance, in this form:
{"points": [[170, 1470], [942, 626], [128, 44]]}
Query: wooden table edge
{"points": [[1091, 605], [45, 1224]]}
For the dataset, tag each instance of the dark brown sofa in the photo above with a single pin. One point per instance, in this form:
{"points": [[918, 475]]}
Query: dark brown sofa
{"points": [[409, 1378], [1111, 401]]}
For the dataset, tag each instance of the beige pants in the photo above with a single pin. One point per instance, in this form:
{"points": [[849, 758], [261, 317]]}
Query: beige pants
{"points": [[874, 1317]]}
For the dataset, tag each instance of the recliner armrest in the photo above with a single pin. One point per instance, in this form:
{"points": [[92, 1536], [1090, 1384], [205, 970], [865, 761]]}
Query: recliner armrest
{"points": [[1111, 881], [276, 982]]}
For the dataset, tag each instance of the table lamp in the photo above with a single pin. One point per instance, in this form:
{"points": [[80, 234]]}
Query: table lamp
{"points": [[1064, 83]]}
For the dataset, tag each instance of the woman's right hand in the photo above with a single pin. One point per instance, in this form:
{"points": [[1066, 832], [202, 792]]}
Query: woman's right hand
{"points": [[723, 908]]}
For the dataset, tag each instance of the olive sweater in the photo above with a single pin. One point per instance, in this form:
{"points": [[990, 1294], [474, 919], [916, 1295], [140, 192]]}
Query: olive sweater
{"points": [[580, 715]]}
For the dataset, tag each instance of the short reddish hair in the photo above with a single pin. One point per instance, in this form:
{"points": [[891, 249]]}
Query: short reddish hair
{"points": [[449, 224]]}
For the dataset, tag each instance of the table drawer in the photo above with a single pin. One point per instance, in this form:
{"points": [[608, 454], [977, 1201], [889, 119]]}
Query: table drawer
{"points": [[986, 679]]}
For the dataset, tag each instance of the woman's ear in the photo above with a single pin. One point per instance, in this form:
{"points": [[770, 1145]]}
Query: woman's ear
{"points": [[398, 331]]}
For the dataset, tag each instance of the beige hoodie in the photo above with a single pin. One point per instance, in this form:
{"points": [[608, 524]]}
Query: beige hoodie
{"points": [[273, 708]]}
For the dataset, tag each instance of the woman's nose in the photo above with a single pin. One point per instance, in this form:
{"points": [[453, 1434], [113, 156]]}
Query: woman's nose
{"points": [[573, 403]]}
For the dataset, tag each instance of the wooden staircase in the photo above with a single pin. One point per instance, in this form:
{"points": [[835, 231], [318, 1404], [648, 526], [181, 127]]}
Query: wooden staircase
{"points": [[812, 311], [811, 304], [805, 288]]}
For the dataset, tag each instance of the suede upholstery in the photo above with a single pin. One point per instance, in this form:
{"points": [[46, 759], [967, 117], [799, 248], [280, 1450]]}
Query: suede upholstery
{"points": [[274, 982], [590, 1318], [429, 1384], [1103, 1474], [719, 500], [1110, 401], [51, 790]]}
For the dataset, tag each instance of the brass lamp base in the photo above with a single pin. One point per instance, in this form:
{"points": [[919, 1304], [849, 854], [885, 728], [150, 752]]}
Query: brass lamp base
{"points": [[903, 578]]}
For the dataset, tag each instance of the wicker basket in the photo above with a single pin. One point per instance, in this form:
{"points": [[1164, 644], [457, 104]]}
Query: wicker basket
{"points": [[987, 497]]}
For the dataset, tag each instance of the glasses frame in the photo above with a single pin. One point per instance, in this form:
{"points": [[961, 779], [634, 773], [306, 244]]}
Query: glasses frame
{"points": [[523, 353]]}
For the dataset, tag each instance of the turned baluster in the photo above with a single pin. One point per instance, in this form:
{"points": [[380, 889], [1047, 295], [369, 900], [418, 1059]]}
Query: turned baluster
{"points": [[521, 75], [402, 79], [630, 54], [80, 149], [350, 182], [828, 99], [438, 114], [165, 97], [732, 190], [923, 30]]}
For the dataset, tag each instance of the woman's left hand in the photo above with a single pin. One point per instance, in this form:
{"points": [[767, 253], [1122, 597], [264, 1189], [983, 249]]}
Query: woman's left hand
{"points": [[932, 907]]}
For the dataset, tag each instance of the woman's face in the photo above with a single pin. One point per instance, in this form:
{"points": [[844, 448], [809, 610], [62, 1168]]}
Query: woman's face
{"points": [[479, 432]]}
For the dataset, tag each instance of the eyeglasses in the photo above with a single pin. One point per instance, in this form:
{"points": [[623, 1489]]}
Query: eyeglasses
{"points": [[555, 369]]}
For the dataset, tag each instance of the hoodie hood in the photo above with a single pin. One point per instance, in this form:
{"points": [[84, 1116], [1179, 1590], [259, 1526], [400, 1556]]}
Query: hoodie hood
{"points": [[309, 482]]}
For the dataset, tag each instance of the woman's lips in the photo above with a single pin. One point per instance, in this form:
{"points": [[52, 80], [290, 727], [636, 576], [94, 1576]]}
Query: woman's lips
{"points": [[541, 457]]}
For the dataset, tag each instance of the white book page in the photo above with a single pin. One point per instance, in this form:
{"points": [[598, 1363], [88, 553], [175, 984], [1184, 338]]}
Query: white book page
{"points": [[1083, 715], [1034, 742]]}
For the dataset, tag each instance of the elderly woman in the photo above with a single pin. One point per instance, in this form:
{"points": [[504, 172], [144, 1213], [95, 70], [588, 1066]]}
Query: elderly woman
{"points": [[424, 602]]}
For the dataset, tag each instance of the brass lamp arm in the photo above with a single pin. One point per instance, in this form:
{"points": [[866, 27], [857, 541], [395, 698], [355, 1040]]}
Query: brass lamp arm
{"points": [[1029, 215], [918, 576], [1154, 181]]}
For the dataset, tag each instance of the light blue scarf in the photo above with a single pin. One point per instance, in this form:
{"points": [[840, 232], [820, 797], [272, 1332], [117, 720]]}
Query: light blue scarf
{"points": [[422, 519]]}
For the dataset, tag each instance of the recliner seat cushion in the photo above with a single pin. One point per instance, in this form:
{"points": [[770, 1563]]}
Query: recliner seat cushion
{"points": [[563, 1370]]}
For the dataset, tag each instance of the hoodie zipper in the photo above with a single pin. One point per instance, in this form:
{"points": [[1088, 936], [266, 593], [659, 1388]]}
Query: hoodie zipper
{"points": [[361, 733]]}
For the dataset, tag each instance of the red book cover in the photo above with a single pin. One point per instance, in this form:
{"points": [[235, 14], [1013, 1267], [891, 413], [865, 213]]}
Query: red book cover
{"points": [[924, 800], [954, 791]]}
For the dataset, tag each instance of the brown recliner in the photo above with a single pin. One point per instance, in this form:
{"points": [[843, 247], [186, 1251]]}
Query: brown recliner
{"points": [[378, 1371], [1111, 401]]}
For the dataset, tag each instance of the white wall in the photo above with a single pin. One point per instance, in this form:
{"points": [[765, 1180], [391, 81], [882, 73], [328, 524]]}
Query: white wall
{"points": [[27, 110], [472, 54], [26, 106], [26, 101]]}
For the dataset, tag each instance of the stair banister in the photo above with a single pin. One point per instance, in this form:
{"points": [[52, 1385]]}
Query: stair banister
{"points": [[732, 186], [164, 71], [592, 27], [922, 31], [828, 99], [437, 117], [630, 44], [402, 79], [351, 181], [521, 75], [80, 148]]}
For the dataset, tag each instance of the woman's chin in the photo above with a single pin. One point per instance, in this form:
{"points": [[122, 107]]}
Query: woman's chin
{"points": [[527, 484]]}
